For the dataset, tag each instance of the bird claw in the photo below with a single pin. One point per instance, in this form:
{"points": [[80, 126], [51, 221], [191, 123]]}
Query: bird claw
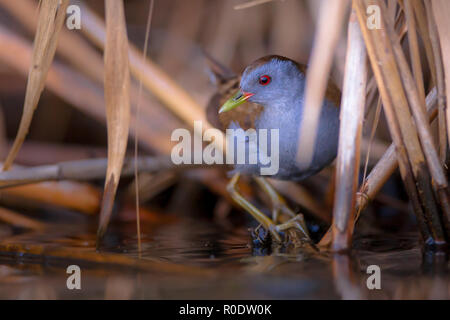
{"points": [[290, 231], [295, 227]]}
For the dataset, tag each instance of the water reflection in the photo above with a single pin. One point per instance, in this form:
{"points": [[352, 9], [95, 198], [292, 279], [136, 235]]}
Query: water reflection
{"points": [[226, 267]]}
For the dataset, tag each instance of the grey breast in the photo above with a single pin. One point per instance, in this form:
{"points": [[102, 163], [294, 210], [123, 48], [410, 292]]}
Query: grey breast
{"points": [[288, 124]]}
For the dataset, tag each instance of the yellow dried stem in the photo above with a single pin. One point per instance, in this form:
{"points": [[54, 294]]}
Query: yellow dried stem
{"points": [[441, 10], [117, 99], [81, 197], [18, 220], [414, 49], [51, 19], [352, 116], [327, 35], [87, 96], [403, 131], [423, 28], [382, 171]]}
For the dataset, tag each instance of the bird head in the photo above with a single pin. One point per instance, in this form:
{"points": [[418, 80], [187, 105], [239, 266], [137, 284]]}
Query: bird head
{"points": [[267, 81]]}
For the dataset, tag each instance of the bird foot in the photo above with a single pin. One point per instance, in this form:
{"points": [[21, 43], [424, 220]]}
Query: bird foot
{"points": [[292, 231], [293, 225]]}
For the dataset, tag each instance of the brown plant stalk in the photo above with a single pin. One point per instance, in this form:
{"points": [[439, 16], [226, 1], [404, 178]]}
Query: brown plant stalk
{"points": [[350, 134], [51, 19], [117, 103], [412, 164]]}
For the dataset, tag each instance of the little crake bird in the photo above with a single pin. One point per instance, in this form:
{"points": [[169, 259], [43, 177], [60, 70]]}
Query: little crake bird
{"points": [[277, 84]]}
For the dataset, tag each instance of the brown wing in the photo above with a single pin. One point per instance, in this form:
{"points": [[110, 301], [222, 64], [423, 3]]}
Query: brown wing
{"points": [[333, 93], [227, 84]]}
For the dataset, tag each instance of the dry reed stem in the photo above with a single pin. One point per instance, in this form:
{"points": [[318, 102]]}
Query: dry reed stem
{"points": [[301, 196], [372, 136], [18, 220], [71, 45], [382, 171], [411, 158], [138, 109], [84, 94], [327, 35], [414, 49], [388, 163], [117, 103], [250, 4], [392, 8], [150, 185], [424, 131], [85, 58], [441, 10], [440, 82], [423, 28], [172, 56], [80, 197], [90, 169], [153, 78], [51, 19], [229, 25], [34, 153], [350, 134], [418, 111]]}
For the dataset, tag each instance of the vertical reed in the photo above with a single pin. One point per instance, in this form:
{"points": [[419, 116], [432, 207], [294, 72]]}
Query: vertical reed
{"points": [[117, 103], [350, 134]]}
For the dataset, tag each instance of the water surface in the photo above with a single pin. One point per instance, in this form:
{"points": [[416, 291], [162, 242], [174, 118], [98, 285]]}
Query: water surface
{"points": [[196, 259]]}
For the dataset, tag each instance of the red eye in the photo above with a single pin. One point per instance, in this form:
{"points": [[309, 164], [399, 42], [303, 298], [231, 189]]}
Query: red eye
{"points": [[264, 80]]}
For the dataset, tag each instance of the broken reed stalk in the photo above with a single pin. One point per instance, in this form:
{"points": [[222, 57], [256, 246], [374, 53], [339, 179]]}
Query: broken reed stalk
{"points": [[329, 24], [440, 39], [350, 134], [117, 103], [90, 169], [51, 19], [411, 158], [382, 171]]}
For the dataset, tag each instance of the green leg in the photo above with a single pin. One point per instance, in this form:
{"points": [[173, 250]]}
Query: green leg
{"points": [[265, 221], [279, 205], [296, 222]]}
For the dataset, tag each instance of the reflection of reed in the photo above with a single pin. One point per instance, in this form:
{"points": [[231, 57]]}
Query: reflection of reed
{"points": [[346, 280], [120, 288], [436, 288]]}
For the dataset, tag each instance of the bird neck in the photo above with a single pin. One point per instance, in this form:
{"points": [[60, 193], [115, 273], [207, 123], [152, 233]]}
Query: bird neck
{"points": [[289, 100]]}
